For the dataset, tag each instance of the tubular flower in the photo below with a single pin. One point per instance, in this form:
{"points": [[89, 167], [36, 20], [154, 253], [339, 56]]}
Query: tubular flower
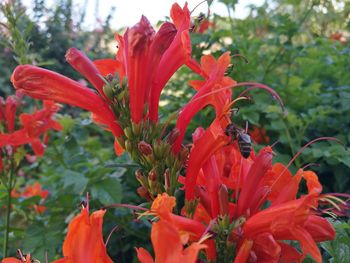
{"points": [[84, 241], [261, 210], [171, 252], [180, 230], [43, 84], [208, 92], [149, 59]]}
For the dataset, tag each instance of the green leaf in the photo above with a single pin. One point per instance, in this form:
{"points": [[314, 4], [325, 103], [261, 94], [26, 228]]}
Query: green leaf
{"points": [[108, 191], [77, 180]]}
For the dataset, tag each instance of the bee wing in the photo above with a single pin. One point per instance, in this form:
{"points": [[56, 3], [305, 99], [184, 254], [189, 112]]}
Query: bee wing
{"points": [[245, 137]]}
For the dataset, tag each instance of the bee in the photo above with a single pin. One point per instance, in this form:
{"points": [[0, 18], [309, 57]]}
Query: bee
{"points": [[244, 141]]}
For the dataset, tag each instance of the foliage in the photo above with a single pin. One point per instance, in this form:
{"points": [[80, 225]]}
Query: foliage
{"points": [[287, 44], [290, 46]]}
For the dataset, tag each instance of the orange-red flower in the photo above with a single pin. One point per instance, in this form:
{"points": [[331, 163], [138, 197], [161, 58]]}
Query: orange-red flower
{"points": [[16, 260], [43, 84], [149, 59], [33, 127], [169, 246], [208, 92], [31, 191], [180, 230], [84, 240], [258, 198]]}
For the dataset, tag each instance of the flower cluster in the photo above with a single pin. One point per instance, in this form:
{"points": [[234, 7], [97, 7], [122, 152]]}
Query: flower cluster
{"points": [[33, 130], [239, 206]]}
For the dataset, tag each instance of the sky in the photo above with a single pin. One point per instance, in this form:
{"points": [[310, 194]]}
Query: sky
{"points": [[128, 12]]}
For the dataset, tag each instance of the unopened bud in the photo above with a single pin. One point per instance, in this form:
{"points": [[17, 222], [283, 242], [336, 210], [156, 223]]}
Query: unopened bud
{"points": [[128, 132], [152, 175], [223, 200], [173, 135], [128, 146], [145, 148], [143, 192], [156, 149], [108, 91], [136, 128], [167, 179], [139, 176]]}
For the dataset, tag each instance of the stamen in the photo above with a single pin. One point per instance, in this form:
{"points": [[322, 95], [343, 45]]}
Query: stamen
{"points": [[110, 234], [301, 150], [19, 252], [310, 164]]}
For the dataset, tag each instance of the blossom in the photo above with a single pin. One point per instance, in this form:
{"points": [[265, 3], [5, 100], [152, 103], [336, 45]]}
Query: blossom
{"points": [[15, 260], [43, 84], [148, 60], [180, 230], [34, 126], [208, 92], [263, 208], [172, 252], [31, 191], [84, 240]]}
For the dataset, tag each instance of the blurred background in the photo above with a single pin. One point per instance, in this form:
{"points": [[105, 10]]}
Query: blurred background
{"points": [[300, 48]]}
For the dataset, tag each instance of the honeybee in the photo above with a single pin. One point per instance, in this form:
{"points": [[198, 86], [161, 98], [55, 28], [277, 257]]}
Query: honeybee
{"points": [[244, 141]]}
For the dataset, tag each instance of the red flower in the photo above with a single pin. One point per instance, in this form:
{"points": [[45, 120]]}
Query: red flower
{"points": [[34, 126], [208, 93], [15, 260], [149, 59], [180, 230], [258, 198], [84, 241], [169, 252], [44, 84], [30, 191]]}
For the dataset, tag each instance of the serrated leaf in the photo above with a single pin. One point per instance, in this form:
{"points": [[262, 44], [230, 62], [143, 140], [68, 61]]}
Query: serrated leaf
{"points": [[107, 191]]}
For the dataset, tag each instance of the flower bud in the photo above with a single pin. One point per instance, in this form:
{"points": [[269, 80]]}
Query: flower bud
{"points": [[136, 128], [167, 179], [152, 175], [108, 91], [128, 146], [173, 135], [128, 132], [145, 148], [143, 192]]}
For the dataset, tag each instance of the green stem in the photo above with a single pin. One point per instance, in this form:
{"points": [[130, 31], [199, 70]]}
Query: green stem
{"points": [[8, 212]]}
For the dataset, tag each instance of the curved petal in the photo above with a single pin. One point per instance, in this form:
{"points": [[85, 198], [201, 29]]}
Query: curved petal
{"points": [[178, 54], [110, 66], [81, 63], [84, 241], [319, 228], [211, 141], [144, 256]]}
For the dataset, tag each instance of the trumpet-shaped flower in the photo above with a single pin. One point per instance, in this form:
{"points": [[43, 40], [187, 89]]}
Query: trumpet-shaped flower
{"points": [[84, 240]]}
